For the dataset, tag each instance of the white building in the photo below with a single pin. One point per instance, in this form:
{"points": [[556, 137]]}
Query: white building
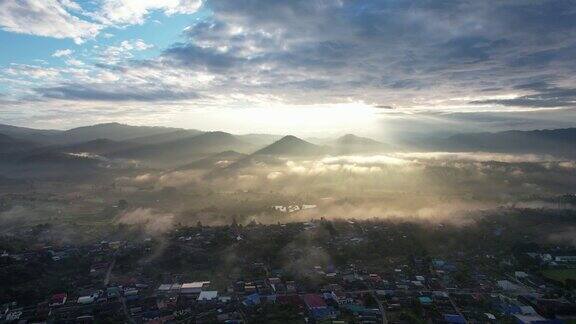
{"points": [[194, 287], [208, 295]]}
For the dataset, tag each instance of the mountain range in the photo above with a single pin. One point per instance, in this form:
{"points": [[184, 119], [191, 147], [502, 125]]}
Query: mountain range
{"points": [[182, 148]]}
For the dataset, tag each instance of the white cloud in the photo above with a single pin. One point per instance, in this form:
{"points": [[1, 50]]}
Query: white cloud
{"points": [[131, 12], [74, 62], [70, 4], [48, 18], [124, 50], [63, 52], [364, 160], [32, 71], [67, 19], [140, 45], [476, 156]]}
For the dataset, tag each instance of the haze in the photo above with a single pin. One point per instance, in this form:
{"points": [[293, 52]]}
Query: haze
{"points": [[287, 161]]}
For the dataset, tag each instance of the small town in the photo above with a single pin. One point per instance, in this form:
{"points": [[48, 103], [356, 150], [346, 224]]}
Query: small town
{"points": [[343, 271]]}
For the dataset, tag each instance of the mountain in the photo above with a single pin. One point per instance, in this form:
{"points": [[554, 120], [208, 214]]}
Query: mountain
{"points": [[259, 140], [186, 149], [10, 145], [166, 137], [291, 146], [58, 159], [57, 166], [111, 131], [99, 146], [350, 143], [560, 142], [351, 140], [219, 160], [270, 155], [28, 134]]}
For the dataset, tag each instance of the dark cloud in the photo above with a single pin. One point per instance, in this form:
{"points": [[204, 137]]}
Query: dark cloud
{"points": [[199, 58], [110, 93], [372, 49], [404, 53]]}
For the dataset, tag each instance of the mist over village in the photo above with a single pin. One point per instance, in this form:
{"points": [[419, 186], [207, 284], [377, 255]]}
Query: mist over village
{"points": [[298, 161]]}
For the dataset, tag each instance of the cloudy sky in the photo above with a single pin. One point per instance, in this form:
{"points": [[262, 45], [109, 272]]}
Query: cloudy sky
{"points": [[308, 67]]}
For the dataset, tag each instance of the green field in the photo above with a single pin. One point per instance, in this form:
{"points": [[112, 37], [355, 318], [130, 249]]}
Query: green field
{"points": [[560, 275]]}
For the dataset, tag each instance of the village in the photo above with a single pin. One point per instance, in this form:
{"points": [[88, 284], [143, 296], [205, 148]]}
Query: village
{"points": [[345, 271]]}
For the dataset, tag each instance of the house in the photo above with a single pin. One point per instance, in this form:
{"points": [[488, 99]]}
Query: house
{"points": [[293, 208], [86, 299], [113, 292], [13, 315], [565, 258], [58, 299], [440, 294], [520, 274], [490, 317], [275, 284], [455, 319], [318, 307], [508, 286], [249, 288], [175, 288], [130, 292], [530, 318], [425, 300], [417, 284], [224, 299], [523, 314], [208, 295], [164, 288], [252, 300], [194, 287], [291, 287], [280, 208]]}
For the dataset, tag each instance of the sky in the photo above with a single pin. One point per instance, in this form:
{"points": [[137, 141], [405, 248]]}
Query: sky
{"points": [[305, 67]]}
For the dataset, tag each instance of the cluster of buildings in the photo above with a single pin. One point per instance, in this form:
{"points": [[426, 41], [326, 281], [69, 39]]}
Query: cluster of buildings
{"points": [[454, 288]]}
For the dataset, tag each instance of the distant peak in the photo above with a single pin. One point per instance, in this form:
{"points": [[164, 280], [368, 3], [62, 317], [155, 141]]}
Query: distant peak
{"points": [[349, 136], [290, 144], [107, 124], [217, 133], [111, 123], [351, 139], [290, 138]]}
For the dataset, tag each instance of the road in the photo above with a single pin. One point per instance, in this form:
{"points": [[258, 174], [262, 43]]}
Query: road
{"points": [[109, 271], [380, 306]]}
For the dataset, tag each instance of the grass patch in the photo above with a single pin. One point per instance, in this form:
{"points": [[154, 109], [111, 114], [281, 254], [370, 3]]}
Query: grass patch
{"points": [[560, 275]]}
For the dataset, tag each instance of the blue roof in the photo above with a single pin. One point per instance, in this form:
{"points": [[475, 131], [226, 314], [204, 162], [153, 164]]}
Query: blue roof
{"points": [[253, 299], [511, 309], [425, 300], [452, 318], [322, 312]]}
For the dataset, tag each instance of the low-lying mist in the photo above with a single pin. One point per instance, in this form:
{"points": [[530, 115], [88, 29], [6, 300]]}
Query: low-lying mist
{"points": [[434, 186]]}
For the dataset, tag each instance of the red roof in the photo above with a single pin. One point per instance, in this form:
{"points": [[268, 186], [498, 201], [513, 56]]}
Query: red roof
{"points": [[58, 298], [314, 301]]}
